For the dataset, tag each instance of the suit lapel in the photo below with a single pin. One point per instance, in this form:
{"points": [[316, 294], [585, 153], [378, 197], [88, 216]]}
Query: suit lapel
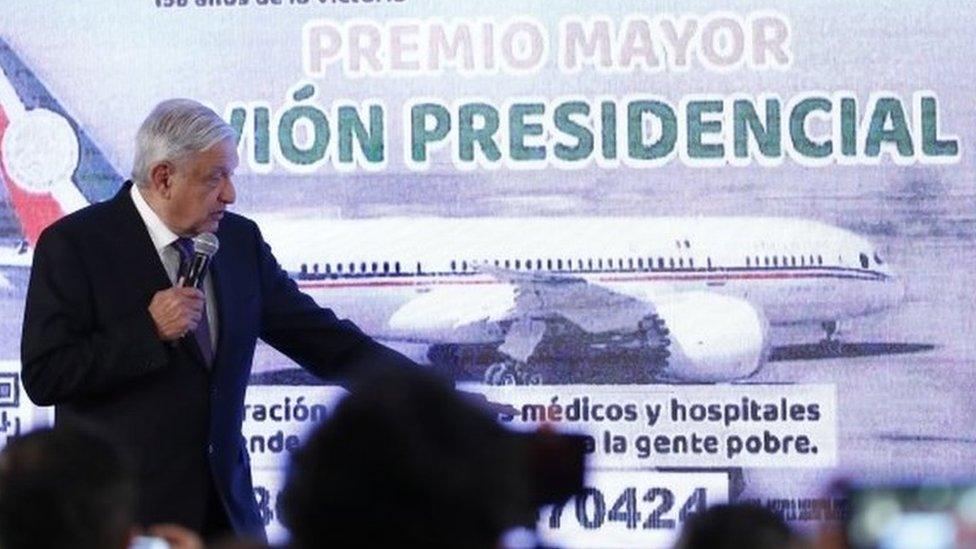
{"points": [[137, 247], [148, 272], [217, 273]]}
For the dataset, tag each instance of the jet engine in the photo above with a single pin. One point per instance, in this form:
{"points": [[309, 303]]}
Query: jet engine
{"points": [[713, 337]]}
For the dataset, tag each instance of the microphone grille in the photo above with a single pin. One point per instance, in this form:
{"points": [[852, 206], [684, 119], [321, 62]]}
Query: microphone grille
{"points": [[206, 244]]}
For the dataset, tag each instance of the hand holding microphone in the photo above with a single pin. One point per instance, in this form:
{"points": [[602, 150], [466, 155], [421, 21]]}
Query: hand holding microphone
{"points": [[178, 310]]}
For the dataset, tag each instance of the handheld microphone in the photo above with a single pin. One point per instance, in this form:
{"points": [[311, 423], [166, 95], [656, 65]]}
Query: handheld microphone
{"points": [[205, 245]]}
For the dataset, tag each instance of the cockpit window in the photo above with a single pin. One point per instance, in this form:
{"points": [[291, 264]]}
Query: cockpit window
{"points": [[877, 259], [864, 261]]}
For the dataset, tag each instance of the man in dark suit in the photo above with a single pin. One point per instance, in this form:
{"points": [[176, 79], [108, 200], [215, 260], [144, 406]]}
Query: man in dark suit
{"points": [[110, 337]]}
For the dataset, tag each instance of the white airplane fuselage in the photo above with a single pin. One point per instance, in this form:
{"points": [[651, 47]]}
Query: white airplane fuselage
{"points": [[794, 271]]}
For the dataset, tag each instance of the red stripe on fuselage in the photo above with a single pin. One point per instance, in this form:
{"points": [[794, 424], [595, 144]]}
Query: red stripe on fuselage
{"points": [[457, 281], [35, 211]]}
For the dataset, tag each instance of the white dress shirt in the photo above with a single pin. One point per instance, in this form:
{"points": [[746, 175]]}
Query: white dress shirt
{"points": [[162, 238]]}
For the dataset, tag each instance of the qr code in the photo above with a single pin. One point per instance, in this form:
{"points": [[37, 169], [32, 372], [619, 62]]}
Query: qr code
{"points": [[9, 390]]}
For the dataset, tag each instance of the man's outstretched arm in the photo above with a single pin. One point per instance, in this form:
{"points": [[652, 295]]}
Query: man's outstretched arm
{"points": [[331, 348]]}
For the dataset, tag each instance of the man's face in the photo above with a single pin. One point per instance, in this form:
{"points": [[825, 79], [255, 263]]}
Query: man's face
{"points": [[201, 189]]}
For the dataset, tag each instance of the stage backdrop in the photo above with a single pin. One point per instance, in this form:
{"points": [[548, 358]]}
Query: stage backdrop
{"points": [[735, 248]]}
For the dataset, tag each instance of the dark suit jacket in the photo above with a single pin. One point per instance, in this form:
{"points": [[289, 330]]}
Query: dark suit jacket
{"points": [[90, 348]]}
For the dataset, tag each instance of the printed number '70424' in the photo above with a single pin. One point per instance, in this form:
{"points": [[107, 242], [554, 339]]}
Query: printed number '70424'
{"points": [[591, 509]]}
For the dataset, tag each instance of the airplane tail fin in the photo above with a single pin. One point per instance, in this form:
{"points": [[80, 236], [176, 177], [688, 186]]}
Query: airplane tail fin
{"points": [[48, 164]]}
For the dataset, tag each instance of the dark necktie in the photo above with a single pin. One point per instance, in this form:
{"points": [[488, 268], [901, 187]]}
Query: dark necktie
{"points": [[202, 334]]}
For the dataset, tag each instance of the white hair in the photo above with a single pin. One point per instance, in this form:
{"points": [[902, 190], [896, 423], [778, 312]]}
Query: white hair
{"points": [[174, 128]]}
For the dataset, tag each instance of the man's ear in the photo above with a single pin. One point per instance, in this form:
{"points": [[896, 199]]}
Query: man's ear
{"points": [[161, 178]]}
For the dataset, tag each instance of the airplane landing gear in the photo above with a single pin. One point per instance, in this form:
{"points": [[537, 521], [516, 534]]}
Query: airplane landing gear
{"points": [[831, 344], [510, 372]]}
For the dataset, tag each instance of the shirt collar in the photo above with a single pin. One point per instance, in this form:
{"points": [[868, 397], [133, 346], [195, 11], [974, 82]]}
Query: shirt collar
{"points": [[158, 231]]}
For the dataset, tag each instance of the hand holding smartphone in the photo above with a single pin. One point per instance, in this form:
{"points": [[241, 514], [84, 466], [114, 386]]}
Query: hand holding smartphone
{"points": [[902, 516]]}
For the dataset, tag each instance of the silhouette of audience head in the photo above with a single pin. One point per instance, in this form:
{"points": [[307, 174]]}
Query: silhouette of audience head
{"points": [[407, 461], [65, 487], [737, 526]]}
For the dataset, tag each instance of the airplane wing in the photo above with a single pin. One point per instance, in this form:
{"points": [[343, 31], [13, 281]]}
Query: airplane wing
{"points": [[588, 304], [516, 310], [693, 335]]}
